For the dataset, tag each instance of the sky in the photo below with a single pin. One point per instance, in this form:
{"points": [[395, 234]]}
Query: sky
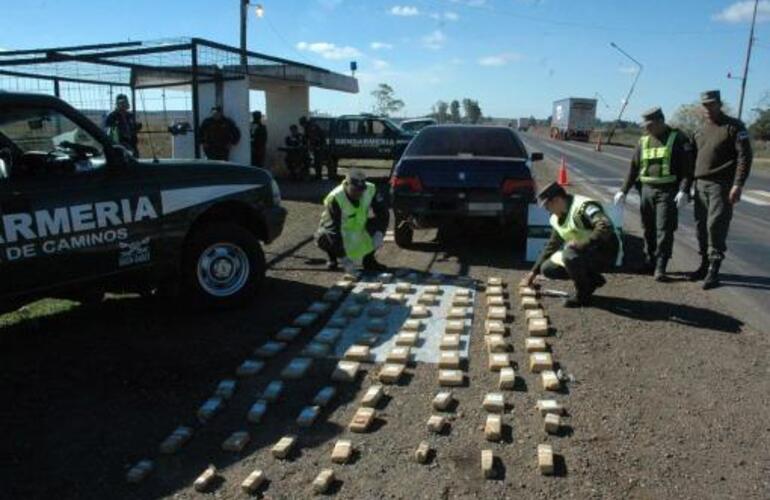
{"points": [[514, 56]]}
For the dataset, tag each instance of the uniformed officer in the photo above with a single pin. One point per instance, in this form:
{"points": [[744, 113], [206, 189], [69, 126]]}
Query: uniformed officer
{"points": [[722, 165], [662, 163], [295, 153], [315, 141], [346, 231], [258, 133], [122, 126], [588, 236]]}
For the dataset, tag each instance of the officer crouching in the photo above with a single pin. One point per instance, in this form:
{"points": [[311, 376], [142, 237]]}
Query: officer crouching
{"points": [[346, 231], [587, 235]]}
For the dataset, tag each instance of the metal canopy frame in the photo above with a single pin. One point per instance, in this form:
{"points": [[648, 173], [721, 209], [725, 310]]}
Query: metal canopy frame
{"points": [[179, 62]]}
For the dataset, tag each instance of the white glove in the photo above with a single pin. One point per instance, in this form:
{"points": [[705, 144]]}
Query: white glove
{"points": [[620, 198], [377, 239], [681, 199]]}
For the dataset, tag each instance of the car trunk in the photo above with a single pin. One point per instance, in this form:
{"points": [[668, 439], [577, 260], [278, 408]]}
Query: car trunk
{"points": [[458, 173]]}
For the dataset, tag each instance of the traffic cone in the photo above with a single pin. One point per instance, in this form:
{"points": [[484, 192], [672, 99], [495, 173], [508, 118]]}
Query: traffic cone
{"points": [[562, 179], [599, 144]]}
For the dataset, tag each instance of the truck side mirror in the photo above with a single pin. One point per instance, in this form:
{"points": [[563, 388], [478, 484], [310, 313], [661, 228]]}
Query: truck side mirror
{"points": [[536, 156]]}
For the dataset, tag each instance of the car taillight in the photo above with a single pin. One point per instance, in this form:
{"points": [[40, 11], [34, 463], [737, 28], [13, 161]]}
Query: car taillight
{"points": [[413, 184], [511, 186]]}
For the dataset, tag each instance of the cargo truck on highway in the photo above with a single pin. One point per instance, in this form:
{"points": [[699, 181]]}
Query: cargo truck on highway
{"points": [[573, 118], [524, 124]]}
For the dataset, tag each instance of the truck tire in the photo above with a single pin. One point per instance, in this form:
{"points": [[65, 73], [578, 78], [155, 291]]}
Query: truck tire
{"points": [[224, 266], [403, 233]]}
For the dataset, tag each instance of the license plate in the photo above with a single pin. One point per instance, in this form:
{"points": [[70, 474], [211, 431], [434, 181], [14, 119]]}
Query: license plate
{"points": [[485, 207]]}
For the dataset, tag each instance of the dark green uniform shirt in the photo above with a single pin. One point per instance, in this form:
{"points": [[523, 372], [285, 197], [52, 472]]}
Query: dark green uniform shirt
{"points": [[592, 217], [723, 151], [682, 161]]}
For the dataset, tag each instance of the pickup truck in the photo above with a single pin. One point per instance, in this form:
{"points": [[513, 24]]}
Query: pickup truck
{"points": [[80, 216], [362, 137]]}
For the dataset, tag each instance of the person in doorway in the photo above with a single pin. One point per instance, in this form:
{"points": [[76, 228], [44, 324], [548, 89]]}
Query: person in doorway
{"points": [[121, 125], [662, 163], [346, 231], [258, 139], [315, 140], [722, 165], [218, 135], [294, 146], [587, 235]]}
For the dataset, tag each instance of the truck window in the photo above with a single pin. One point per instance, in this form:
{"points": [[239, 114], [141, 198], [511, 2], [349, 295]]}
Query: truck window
{"points": [[352, 127], [378, 128], [38, 132], [45, 130]]}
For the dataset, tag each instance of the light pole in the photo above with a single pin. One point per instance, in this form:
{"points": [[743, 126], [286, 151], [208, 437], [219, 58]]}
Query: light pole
{"points": [[748, 58], [259, 11], [630, 91]]}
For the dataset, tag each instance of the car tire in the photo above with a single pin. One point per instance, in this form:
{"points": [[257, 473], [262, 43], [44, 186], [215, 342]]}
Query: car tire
{"points": [[403, 233], [224, 266]]}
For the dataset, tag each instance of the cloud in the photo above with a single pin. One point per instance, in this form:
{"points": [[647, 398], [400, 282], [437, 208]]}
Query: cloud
{"points": [[380, 46], [329, 50], [379, 64], [434, 40], [499, 59], [446, 16], [404, 10], [741, 12]]}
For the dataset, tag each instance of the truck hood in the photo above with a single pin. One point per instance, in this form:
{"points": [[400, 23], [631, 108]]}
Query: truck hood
{"points": [[203, 171]]}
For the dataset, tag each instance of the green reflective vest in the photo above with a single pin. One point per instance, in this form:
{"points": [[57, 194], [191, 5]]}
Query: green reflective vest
{"points": [[660, 155], [572, 229], [355, 238]]}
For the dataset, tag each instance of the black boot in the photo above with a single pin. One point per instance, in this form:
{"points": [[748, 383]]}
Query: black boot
{"points": [[660, 270], [712, 277], [371, 264], [576, 299], [700, 273], [648, 266]]}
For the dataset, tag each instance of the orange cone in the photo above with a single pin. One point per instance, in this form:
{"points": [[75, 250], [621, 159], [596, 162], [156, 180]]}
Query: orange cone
{"points": [[562, 179]]}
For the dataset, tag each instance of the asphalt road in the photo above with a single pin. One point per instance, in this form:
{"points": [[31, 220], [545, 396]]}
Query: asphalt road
{"points": [[746, 273]]}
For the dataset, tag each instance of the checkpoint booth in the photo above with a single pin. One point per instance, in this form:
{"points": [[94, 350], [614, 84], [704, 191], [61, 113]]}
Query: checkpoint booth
{"points": [[172, 85]]}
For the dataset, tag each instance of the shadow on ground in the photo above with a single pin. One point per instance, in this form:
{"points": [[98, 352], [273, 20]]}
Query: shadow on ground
{"points": [[96, 388], [656, 310]]}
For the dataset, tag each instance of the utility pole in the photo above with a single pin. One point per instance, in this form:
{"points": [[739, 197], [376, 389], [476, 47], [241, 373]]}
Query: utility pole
{"points": [[244, 13], [259, 11], [630, 91], [748, 58]]}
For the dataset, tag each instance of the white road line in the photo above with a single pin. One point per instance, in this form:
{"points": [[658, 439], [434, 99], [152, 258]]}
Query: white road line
{"points": [[755, 200], [389, 236], [605, 153]]}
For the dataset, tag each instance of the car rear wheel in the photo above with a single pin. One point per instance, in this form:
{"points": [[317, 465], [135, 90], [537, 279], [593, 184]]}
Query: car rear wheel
{"points": [[224, 266], [403, 233]]}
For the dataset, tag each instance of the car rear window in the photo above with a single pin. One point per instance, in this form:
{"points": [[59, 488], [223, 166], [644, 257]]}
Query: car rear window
{"points": [[471, 141]]}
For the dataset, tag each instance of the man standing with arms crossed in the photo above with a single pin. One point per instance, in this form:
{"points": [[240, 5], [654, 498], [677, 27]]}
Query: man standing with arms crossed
{"points": [[722, 165], [662, 163]]}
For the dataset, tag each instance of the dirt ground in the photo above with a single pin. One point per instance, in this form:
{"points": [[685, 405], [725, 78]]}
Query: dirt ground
{"points": [[668, 397]]}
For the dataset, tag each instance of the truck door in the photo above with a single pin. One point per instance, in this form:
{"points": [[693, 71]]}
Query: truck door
{"points": [[350, 138], [383, 139], [68, 216]]}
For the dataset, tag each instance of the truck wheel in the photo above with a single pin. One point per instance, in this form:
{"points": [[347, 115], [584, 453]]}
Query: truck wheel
{"points": [[403, 233], [224, 266]]}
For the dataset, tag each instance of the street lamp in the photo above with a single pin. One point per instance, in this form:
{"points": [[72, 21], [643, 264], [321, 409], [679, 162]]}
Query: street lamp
{"points": [[259, 11], [630, 91]]}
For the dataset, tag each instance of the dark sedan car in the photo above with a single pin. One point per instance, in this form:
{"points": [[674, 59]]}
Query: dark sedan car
{"points": [[451, 172]]}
